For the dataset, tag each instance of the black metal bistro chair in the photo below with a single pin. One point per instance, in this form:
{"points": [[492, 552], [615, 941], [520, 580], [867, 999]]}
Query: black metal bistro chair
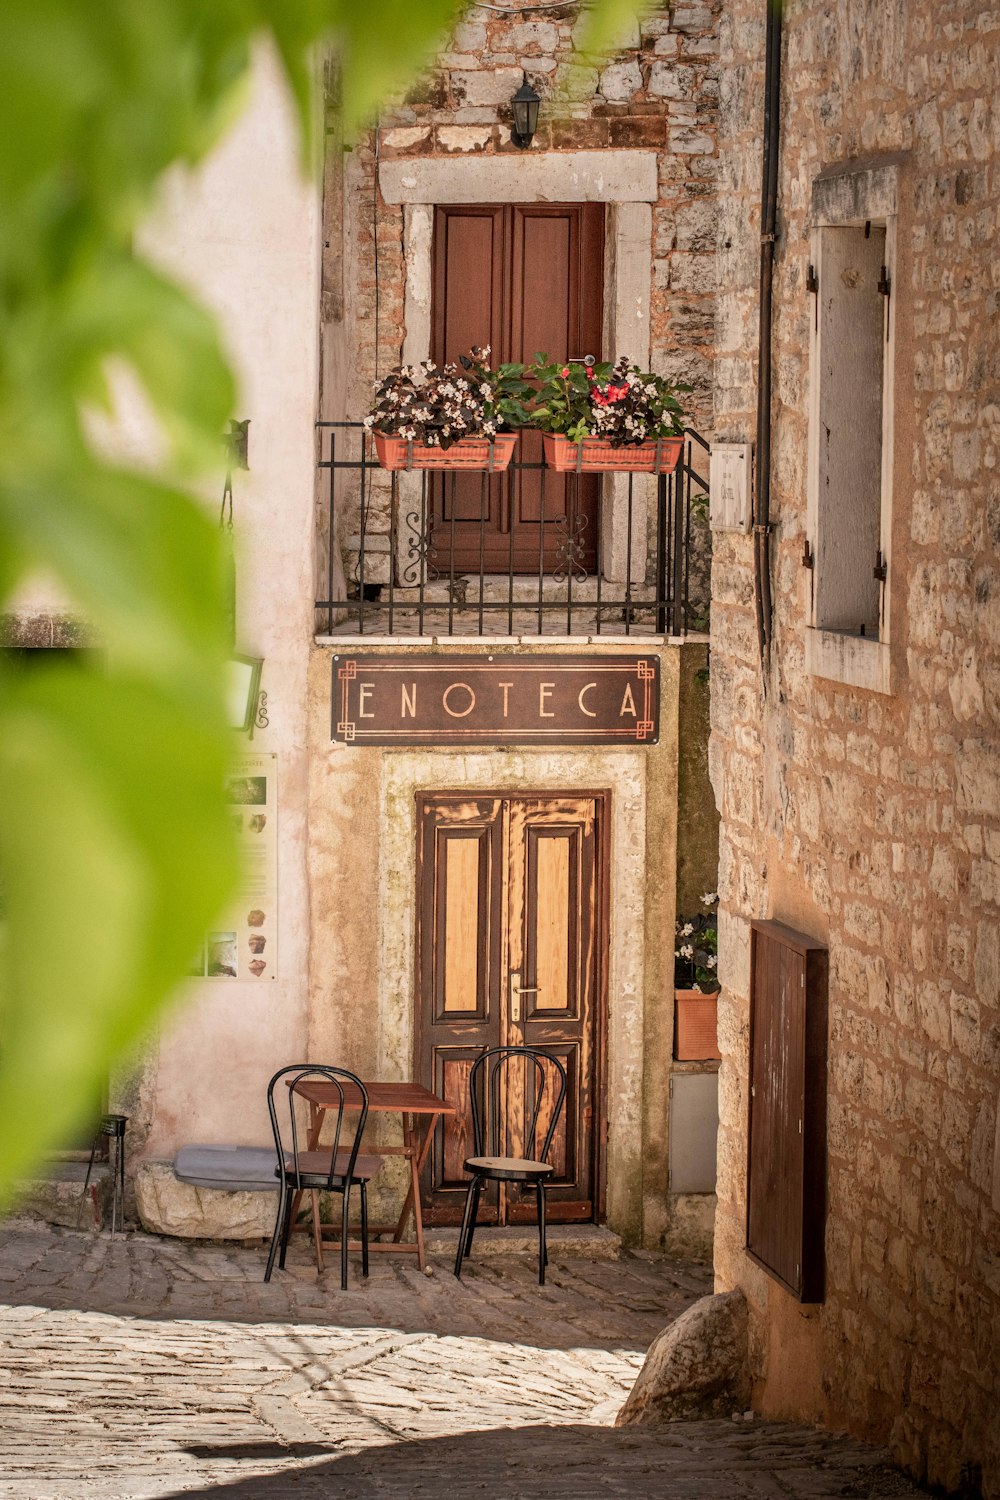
{"points": [[533, 1168], [333, 1168]]}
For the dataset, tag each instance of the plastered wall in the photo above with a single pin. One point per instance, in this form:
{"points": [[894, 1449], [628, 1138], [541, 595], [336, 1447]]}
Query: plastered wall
{"points": [[363, 882]]}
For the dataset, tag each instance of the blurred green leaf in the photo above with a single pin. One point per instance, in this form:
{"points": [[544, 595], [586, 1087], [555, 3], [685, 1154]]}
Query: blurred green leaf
{"points": [[113, 824]]}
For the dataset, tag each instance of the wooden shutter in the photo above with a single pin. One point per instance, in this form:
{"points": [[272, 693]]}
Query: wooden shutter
{"points": [[786, 1187]]}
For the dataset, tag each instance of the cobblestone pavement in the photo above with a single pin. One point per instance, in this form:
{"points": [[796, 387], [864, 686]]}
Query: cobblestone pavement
{"points": [[149, 1368]]}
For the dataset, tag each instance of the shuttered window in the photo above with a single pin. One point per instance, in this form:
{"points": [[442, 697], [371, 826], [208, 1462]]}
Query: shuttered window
{"points": [[786, 1189]]}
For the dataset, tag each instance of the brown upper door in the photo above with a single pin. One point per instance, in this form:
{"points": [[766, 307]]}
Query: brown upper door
{"points": [[508, 952], [524, 279]]}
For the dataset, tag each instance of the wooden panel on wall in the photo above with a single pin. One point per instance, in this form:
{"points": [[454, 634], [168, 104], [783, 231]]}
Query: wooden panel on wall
{"points": [[461, 921], [552, 923], [786, 1187]]}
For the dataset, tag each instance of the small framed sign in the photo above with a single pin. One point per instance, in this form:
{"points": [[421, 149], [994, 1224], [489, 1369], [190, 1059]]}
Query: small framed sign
{"points": [[730, 481]]}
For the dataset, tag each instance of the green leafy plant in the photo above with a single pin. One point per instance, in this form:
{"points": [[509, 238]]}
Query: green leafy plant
{"points": [[619, 403], [696, 951], [438, 407]]}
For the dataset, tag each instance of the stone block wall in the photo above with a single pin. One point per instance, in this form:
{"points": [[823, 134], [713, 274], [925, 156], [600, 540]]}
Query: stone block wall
{"points": [[873, 821], [658, 92]]}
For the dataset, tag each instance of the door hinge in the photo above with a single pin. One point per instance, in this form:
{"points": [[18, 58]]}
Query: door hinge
{"points": [[808, 560], [812, 285], [885, 287], [881, 568]]}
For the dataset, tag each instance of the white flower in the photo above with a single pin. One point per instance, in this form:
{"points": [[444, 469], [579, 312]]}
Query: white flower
{"points": [[687, 929], [686, 950], [709, 898], [711, 961]]}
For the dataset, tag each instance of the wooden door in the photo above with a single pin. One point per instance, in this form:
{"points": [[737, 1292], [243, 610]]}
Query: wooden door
{"points": [[524, 279], [511, 949]]}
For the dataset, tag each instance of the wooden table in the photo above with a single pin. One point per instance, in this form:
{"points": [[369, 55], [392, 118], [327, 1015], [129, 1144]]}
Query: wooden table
{"points": [[412, 1102]]}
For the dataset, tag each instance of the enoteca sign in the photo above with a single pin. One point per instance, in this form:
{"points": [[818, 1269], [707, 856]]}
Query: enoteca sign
{"points": [[503, 699]]}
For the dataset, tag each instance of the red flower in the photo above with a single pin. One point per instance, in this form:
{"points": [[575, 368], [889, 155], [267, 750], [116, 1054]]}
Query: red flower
{"points": [[565, 372]]}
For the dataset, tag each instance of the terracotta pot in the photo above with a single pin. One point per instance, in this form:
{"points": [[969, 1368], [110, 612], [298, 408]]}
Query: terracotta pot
{"points": [[468, 453], [695, 1032], [596, 455]]}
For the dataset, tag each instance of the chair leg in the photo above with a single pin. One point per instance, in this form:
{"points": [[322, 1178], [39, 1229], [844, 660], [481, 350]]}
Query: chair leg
{"points": [[121, 1180], [317, 1230], [542, 1252], [344, 1223], [477, 1189], [286, 1229], [276, 1236], [364, 1229], [465, 1226], [86, 1181]]}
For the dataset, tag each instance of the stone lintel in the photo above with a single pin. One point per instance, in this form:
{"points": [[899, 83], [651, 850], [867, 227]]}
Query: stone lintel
{"points": [[855, 191], [529, 177]]}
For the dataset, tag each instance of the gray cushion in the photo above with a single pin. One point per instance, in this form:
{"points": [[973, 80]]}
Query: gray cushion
{"points": [[234, 1169]]}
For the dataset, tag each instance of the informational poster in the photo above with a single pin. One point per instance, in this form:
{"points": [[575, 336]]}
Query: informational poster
{"points": [[245, 945]]}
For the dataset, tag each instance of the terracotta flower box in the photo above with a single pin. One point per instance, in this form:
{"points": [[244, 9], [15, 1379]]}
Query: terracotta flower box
{"points": [[468, 453], [695, 1031], [597, 456]]}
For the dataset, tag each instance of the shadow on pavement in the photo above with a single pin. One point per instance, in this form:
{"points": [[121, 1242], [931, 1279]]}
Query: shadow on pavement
{"points": [[688, 1461]]}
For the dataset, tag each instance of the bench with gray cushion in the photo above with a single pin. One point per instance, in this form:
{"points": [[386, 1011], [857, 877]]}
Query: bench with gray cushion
{"points": [[230, 1169]]}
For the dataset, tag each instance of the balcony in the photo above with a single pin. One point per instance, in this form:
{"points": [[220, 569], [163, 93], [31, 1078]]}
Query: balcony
{"points": [[529, 553]]}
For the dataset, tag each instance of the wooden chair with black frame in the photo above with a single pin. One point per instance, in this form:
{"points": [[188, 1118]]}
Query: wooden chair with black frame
{"points": [[334, 1168], [534, 1169]]}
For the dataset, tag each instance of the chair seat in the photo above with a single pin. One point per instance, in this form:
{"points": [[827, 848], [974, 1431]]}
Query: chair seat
{"points": [[508, 1168], [314, 1168]]}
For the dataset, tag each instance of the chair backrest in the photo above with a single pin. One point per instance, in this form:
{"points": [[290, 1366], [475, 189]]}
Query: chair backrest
{"points": [[497, 1061], [343, 1092]]}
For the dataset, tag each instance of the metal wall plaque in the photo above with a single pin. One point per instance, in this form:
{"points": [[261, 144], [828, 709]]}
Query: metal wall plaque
{"points": [[504, 699]]}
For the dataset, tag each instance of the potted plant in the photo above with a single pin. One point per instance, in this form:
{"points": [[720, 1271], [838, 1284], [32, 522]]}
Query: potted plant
{"points": [[457, 417], [604, 418], [696, 984]]}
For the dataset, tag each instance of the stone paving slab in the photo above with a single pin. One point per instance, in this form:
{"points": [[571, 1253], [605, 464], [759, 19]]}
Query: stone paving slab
{"points": [[145, 1369]]}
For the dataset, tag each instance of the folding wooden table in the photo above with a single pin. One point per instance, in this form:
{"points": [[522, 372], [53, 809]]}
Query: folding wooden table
{"points": [[412, 1102]]}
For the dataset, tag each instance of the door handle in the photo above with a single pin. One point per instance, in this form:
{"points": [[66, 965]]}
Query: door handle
{"points": [[516, 991]]}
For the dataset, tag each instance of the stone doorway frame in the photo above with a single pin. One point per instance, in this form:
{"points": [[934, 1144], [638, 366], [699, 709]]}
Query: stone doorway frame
{"points": [[628, 183]]}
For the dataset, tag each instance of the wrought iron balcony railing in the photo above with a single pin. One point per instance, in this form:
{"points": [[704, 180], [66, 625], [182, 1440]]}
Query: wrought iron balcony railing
{"points": [[527, 552]]}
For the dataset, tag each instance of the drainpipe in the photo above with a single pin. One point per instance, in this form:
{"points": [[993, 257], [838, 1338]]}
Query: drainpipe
{"points": [[768, 217]]}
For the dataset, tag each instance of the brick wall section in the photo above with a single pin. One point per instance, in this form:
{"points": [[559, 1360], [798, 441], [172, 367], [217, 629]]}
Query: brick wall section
{"points": [[872, 821], [660, 92]]}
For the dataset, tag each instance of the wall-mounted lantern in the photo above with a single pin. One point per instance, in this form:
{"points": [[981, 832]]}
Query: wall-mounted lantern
{"points": [[525, 109], [246, 705]]}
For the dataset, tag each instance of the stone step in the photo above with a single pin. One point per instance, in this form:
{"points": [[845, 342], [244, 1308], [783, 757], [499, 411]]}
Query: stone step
{"points": [[55, 1195], [595, 1241]]}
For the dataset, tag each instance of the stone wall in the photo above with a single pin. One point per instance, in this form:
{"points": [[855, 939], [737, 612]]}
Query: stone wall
{"points": [[658, 93], [871, 820]]}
